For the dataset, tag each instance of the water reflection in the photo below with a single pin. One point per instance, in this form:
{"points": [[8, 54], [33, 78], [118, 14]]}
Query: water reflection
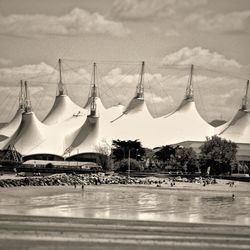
{"points": [[133, 203]]}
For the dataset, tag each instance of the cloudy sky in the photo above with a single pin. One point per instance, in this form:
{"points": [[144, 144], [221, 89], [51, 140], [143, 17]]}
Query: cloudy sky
{"points": [[214, 35]]}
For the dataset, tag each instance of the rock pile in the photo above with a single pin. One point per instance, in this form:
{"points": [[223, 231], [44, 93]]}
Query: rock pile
{"points": [[90, 179]]}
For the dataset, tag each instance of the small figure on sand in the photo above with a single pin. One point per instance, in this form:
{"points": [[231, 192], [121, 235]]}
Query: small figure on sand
{"points": [[74, 185], [82, 186], [233, 197]]}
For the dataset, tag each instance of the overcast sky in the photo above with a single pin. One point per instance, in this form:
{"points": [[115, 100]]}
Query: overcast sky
{"points": [[212, 34]]}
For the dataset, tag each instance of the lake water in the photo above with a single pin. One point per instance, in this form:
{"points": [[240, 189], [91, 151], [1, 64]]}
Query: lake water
{"points": [[139, 203]]}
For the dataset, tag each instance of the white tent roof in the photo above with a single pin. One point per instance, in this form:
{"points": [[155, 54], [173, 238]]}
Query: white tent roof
{"points": [[185, 124], [55, 142], [30, 133], [135, 123], [12, 126], [95, 131], [63, 109], [64, 118], [237, 129]]}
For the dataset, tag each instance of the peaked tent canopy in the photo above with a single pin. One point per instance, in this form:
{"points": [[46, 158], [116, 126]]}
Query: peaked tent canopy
{"points": [[63, 107], [30, 133], [11, 127], [238, 129], [185, 123], [96, 131], [136, 121]]}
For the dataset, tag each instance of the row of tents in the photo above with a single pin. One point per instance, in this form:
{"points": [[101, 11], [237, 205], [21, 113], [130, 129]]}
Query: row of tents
{"points": [[70, 130]]}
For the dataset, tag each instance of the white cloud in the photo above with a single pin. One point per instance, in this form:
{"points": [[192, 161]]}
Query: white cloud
{"points": [[201, 57], [4, 61], [77, 22], [15, 74], [146, 9], [237, 21], [173, 33]]}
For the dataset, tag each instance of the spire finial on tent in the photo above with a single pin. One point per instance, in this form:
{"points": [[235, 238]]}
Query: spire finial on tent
{"points": [[27, 103], [245, 98], [21, 96], [93, 93], [60, 83], [92, 107], [93, 87], [140, 86], [189, 89]]}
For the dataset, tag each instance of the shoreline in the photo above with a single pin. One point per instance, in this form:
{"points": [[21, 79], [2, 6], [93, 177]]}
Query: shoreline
{"points": [[168, 184]]}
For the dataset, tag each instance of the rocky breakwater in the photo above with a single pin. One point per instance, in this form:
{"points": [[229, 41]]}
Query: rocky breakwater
{"points": [[64, 179], [95, 179]]}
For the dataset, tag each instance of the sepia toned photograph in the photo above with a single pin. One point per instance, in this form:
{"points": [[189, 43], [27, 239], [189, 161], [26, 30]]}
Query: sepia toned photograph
{"points": [[124, 124]]}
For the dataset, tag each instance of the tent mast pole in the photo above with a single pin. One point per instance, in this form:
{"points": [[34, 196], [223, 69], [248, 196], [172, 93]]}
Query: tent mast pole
{"points": [[27, 99], [140, 87], [21, 96], [245, 99], [94, 79], [189, 90], [60, 84], [93, 93]]}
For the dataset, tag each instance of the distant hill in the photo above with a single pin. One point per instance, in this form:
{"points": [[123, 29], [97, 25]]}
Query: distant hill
{"points": [[217, 123]]}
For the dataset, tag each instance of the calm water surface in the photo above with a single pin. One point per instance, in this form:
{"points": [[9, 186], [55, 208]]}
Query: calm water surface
{"points": [[118, 202]]}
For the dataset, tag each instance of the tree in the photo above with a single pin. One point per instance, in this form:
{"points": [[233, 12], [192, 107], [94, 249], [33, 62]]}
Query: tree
{"points": [[103, 157], [178, 157], [217, 155], [122, 149], [186, 159], [165, 153]]}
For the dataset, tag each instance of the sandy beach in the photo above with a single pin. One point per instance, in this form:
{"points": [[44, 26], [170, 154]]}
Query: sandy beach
{"points": [[33, 232], [165, 183]]}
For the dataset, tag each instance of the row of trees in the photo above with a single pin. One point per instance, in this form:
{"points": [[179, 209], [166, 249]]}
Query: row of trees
{"points": [[216, 156]]}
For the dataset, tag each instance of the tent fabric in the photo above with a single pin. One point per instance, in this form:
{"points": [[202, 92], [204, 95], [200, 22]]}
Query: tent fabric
{"points": [[62, 109], [30, 133], [237, 129], [95, 132], [69, 128], [135, 123], [64, 118], [10, 128], [185, 124]]}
